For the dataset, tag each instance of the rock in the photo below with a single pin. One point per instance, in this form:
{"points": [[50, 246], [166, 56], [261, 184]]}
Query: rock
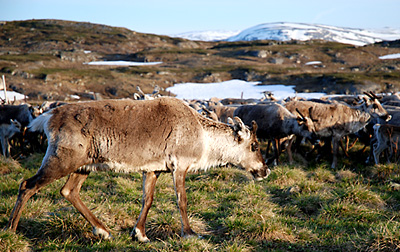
{"points": [[278, 61], [260, 53], [188, 44]]}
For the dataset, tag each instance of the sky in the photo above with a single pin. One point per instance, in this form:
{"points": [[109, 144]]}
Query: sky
{"points": [[178, 16]]}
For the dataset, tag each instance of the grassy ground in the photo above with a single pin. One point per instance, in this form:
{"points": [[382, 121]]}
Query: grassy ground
{"points": [[298, 208]]}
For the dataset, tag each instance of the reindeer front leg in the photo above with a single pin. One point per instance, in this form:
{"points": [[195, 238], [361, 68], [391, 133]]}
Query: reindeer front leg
{"points": [[179, 184], [149, 184]]}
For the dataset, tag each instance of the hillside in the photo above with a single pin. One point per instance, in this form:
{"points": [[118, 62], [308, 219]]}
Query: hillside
{"points": [[44, 59]]}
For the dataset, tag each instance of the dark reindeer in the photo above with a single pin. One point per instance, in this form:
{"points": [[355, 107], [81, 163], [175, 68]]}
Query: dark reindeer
{"points": [[7, 131], [161, 135], [275, 122]]}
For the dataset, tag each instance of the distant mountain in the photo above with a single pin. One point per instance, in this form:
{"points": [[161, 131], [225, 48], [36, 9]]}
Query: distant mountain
{"points": [[217, 35], [284, 31], [300, 31]]}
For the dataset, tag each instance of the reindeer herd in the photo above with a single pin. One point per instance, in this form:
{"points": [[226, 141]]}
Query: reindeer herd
{"points": [[323, 123], [155, 135]]}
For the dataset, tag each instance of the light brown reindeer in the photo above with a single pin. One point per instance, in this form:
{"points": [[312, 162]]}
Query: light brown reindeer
{"points": [[161, 135], [386, 136]]}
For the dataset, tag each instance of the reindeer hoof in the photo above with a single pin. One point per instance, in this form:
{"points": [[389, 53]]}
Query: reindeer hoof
{"points": [[137, 235], [194, 235], [102, 233]]}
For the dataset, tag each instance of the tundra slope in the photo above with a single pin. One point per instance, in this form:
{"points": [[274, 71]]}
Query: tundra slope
{"points": [[155, 136]]}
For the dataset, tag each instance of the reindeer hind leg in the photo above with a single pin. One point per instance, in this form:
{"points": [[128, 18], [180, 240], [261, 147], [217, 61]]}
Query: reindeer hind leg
{"points": [[51, 170], [71, 191], [149, 183], [27, 189]]}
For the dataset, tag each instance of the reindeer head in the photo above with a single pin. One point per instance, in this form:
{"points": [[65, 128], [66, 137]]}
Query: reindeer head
{"points": [[307, 125], [251, 158], [372, 106]]}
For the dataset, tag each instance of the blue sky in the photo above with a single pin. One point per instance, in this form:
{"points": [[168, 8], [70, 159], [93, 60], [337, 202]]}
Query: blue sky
{"points": [[178, 16]]}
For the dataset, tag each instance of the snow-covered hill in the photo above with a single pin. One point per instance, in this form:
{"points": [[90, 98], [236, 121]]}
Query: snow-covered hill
{"points": [[298, 31], [284, 31], [217, 35]]}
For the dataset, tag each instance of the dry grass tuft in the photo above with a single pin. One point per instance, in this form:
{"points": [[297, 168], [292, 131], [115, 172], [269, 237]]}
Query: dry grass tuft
{"points": [[344, 175]]}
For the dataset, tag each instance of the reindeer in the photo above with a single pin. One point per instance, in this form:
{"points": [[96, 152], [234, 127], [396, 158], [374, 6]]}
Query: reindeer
{"points": [[143, 96], [387, 136], [153, 136], [22, 113], [7, 131], [276, 122], [336, 120], [221, 112]]}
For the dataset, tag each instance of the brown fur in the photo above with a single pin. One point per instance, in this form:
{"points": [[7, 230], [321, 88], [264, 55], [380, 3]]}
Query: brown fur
{"points": [[337, 120], [276, 122], [223, 112], [161, 135], [387, 136]]}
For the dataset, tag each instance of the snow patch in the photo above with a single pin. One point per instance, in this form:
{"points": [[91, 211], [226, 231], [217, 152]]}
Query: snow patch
{"points": [[313, 63], [234, 89], [390, 56], [12, 95]]}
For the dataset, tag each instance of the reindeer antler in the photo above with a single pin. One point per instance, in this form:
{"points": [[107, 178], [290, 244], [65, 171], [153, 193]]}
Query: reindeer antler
{"points": [[301, 115], [374, 95], [140, 90], [369, 95]]}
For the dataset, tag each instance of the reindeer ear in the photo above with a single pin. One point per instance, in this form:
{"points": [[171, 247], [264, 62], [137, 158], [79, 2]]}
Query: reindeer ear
{"points": [[239, 123], [234, 125], [16, 123], [241, 129]]}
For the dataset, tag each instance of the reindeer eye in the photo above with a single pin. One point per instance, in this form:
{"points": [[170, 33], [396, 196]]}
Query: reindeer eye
{"points": [[254, 146]]}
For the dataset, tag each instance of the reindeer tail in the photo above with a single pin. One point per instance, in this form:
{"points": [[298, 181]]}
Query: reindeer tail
{"points": [[40, 122]]}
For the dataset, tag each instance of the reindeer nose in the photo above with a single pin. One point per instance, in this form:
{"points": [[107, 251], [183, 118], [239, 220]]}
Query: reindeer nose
{"points": [[262, 174]]}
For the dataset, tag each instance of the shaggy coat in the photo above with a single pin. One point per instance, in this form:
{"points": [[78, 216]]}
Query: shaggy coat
{"points": [[21, 113], [161, 135], [7, 131], [387, 136], [223, 112], [276, 122], [337, 120]]}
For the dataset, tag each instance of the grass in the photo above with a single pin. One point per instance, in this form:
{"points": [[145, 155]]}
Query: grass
{"points": [[28, 57], [298, 208]]}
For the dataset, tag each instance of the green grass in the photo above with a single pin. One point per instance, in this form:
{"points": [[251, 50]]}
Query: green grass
{"points": [[298, 208]]}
